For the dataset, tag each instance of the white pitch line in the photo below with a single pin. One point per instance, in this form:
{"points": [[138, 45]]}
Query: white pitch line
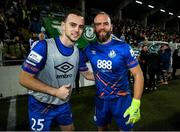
{"points": [[11, 122]]}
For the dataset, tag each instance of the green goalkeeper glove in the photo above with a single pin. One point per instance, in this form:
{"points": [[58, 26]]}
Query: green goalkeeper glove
{"points": [[133, 111]]}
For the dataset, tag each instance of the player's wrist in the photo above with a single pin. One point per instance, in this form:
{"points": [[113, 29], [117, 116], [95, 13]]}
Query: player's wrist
{"points": [[52, 91], [136, 102]]}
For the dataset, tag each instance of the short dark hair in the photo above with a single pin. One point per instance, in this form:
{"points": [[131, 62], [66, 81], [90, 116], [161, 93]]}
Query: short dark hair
{"points": [[72, 11]]}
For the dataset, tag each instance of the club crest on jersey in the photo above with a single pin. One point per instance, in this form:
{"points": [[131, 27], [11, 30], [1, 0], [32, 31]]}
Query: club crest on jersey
{"points": [[112, 54], [89, 33], [93, 52]]}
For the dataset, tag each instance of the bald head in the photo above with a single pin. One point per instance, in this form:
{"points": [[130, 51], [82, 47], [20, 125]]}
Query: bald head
{"points": [[102, 14], [103, 27]]}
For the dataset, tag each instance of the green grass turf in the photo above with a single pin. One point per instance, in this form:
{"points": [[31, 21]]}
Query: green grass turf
{"points": [[3, 114], [160, 110], [21, 114]]}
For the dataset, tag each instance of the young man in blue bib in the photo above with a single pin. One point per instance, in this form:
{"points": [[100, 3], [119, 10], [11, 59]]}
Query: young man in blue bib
{"points": [[49, 73]]}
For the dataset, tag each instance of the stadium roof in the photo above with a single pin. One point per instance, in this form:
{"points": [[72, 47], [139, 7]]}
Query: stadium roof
{"points": [[134, 10]]}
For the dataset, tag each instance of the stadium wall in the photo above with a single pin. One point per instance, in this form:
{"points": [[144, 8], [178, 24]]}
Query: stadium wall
{"points": [[9, 85]]}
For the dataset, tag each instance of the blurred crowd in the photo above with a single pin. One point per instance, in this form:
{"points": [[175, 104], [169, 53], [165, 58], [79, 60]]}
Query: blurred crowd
{"points": [[18, 19], [131, 30], [17, 26], [22, 26]]}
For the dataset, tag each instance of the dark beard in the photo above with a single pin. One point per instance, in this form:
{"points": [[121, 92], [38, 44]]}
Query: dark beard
{"points": [[104, 38], [73, 41], [70, 39]]}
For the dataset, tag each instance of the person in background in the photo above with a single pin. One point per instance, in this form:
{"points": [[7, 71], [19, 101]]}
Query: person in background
{"points": [[153, 65], [143, 58], [175, 63], [165, 57]]}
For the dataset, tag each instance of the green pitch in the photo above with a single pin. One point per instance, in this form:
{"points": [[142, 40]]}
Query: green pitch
{"points": [[160, 110]]}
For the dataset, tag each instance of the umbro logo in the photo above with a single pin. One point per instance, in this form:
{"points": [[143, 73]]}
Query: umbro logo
{"points": [[64, 67]]}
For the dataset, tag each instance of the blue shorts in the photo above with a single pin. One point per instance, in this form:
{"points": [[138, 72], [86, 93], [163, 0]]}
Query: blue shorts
{"points": [[106, 109], [41, 114]]}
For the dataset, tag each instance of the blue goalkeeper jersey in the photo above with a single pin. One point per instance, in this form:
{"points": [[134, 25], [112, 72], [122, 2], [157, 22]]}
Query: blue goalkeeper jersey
{"points": [[110, 63]]}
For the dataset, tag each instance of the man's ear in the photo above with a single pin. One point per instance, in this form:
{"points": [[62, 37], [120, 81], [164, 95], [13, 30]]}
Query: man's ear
{"points": [[111, 27], [62, 26], [93, 26]]}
